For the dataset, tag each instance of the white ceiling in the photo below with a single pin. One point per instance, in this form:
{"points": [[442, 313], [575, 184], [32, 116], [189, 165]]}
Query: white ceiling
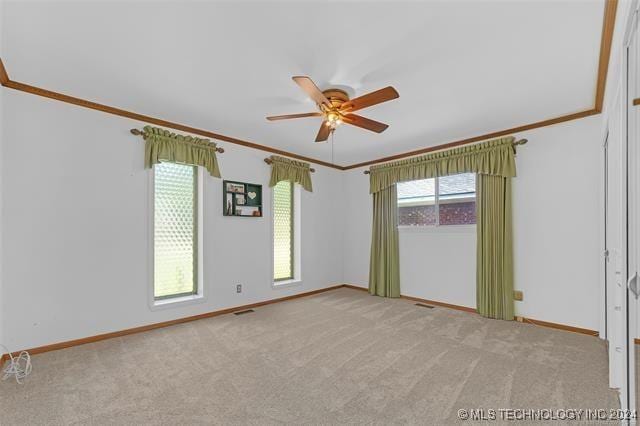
{"points": [[462, 68]]}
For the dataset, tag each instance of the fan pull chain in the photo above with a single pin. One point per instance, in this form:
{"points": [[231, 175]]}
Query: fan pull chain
{"points": [[332, 159]]}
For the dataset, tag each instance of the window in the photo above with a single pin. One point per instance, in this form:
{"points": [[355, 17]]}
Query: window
{"points": [[175, 231], [283, 235], [445, 200], [457, 199], [417, 203]]}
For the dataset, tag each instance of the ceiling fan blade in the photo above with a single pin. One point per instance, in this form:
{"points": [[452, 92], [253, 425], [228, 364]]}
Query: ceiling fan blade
{"points": [[286, 117], [323, 133], [312, 90], [370, 99], [365, 123]]}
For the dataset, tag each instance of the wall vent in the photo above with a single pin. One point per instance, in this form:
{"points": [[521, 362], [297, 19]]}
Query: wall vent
{"points": [[243, 312], [422, 305]]}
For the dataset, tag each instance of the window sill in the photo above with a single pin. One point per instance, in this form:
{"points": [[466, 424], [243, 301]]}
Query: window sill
{"points": [[441, 229], [286, 283], [176, 302]]}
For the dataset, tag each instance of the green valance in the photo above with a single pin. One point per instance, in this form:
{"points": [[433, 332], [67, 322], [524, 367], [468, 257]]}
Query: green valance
{"points": [[494, 157], [291, 170], [163, 145]]}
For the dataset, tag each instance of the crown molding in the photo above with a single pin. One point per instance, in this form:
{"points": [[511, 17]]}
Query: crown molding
{"points": [[550, 122], [148, 119], [603, 65], [608, 25]]}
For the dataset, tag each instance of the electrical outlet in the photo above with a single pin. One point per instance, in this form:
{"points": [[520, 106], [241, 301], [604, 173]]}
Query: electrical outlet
{"points": [[239, 288], [517, 295]]}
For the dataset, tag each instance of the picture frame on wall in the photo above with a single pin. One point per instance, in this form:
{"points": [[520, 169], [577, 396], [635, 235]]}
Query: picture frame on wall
{"points": [[241, 199], [236, 188], [229, 205]]}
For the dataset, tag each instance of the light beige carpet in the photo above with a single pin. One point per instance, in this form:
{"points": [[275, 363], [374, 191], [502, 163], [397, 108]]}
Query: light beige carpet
{"points": [[338, 357]]}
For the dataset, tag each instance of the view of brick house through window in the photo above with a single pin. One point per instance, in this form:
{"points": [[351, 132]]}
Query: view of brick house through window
{"points": [[445, 200]]}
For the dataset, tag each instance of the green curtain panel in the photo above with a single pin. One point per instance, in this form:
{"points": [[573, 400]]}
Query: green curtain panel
{"points": [[494, 273], [494, 157], [291, 170], [494, 163], [384, 267], [163, 145]]}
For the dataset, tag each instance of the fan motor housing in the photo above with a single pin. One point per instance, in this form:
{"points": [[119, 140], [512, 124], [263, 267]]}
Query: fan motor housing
{"points": [[336, 96]]}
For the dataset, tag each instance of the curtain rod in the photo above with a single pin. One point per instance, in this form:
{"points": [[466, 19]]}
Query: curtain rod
{"points": [[518, 142], [269, 161], [144, 136]]}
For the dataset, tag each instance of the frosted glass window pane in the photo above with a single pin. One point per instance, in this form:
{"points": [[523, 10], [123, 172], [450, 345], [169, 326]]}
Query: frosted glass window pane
{"points": [[175, 230], [283, 231]]}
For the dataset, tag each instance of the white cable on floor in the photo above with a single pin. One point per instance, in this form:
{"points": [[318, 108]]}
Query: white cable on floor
{"points": [[19, 367]]}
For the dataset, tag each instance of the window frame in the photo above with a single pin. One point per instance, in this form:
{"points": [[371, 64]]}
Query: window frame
{"points": [[295, 277], [196, 296], [292, 242], [436, 203]]}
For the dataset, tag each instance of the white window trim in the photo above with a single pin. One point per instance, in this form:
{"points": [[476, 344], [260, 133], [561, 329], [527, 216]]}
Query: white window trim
{"points": [[440, 229], [297, 240], [174, 302], [436, 203]]}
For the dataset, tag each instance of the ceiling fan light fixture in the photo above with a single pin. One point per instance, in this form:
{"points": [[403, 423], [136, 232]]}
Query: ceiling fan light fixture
{"points": [[333, 117], [335, 107]]}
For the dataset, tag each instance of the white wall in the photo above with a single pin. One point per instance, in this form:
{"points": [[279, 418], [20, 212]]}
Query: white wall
{"points": [[76, 222], [556, 242], [557, 212], [439, 262], [75, 218], [2, 341], [427, 269]]}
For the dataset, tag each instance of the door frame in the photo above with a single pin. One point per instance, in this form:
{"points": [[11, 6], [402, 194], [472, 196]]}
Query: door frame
{"points": [[629, 130]]}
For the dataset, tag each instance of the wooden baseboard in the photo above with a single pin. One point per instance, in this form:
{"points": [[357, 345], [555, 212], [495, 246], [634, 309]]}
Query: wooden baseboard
{"points": [[417, 299], [557, 326], [443, 304], [97, 338], [355, 287]]}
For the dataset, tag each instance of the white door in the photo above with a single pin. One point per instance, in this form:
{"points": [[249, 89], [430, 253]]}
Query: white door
{"points": [[615, 253], [633, 230]]}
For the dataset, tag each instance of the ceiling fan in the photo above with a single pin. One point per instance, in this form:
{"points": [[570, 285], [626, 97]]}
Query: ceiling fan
{"points": [[336, 107]]}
